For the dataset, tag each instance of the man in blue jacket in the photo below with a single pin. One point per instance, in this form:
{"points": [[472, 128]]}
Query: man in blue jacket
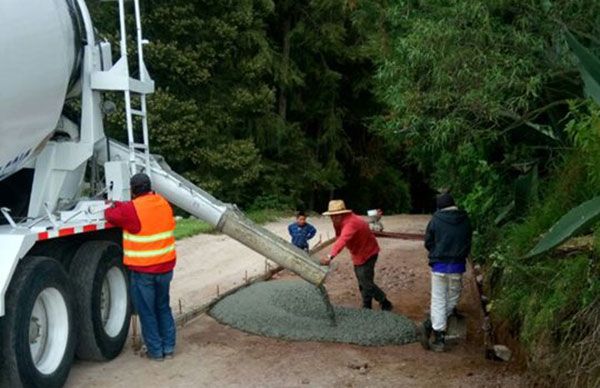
{"points": [[301, 231], [448, 240]]}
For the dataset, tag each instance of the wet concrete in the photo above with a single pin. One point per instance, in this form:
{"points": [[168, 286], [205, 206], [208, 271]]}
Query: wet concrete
{"points": [[328, 305], [294, 310]]}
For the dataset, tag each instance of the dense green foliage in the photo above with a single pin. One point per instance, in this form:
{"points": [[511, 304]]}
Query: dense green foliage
{"points": [[264, 103], [476, 90], [486, 99], [541, 297]]}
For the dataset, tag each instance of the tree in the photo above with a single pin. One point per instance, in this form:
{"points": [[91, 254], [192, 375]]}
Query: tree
{"points": [[262, 102], [474, 88], [211, 62]]}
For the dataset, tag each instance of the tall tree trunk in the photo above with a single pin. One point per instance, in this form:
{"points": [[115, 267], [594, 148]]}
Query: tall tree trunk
{"points": [[285, 69]]}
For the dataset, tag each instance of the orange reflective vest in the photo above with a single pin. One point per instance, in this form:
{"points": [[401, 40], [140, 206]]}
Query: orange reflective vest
{"points": [[155, 242]]}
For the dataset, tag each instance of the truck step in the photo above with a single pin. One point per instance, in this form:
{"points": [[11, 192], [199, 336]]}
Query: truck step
{"points": [[140, 146]]}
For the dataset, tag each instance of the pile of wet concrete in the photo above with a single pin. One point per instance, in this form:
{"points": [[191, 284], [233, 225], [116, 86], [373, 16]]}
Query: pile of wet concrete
{"points": [[295, 310]]}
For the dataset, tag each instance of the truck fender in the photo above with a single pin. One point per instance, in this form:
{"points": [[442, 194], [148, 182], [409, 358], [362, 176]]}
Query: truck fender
{"points": [[14, 248]]}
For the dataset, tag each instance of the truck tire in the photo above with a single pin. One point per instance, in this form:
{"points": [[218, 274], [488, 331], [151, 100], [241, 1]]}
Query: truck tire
{"points": [[37, 332], [61, 249], [102, 300]]}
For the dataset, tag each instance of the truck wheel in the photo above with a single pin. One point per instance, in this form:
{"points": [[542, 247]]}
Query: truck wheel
{"points": [[102, 300], [37, 332]]}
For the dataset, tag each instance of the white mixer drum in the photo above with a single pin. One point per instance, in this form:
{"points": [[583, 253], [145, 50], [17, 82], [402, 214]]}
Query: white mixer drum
{"points": [[39, 56]]}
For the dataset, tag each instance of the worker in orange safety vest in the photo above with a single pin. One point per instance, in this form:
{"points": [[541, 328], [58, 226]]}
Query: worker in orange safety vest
{"points": [[149, 253]]}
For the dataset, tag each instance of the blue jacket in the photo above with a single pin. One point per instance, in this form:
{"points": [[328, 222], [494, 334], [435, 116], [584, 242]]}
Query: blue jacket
{"points": [[301, 235]]}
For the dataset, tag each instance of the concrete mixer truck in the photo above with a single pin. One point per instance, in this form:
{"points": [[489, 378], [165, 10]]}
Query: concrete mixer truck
{"points": [[63, 288]]}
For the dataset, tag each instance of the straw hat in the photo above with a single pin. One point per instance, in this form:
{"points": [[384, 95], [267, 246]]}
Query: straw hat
{"points": [[337, 206]]}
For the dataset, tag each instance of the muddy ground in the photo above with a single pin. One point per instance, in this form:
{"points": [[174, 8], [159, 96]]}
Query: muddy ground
{"points": [[210, 354]]}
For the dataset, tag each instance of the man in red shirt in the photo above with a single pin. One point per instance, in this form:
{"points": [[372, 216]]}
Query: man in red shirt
{"points": [[354, 233], [149, 253]]}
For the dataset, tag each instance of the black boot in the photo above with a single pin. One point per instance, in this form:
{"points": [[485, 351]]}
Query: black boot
{"points": [[426, 331], [439, 342], [386, 305], [368, 304], [457, 314]]}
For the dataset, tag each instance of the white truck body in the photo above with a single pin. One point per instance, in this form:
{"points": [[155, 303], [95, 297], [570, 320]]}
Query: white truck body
{"points": [[39, 58]]}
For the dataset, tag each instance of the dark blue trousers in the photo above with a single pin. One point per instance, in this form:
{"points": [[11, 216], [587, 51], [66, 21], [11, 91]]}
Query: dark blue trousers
{"points": [[150, 296]]}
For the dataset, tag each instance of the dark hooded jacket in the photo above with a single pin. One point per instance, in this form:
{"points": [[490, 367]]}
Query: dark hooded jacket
{"points": [[448, 237]]}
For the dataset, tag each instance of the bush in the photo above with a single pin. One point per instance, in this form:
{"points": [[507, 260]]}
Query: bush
{"points": [[542, 297]]}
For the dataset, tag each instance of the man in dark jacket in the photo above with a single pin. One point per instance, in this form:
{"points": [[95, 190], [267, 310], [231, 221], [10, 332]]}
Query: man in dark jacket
{"points": [[448, 240]]}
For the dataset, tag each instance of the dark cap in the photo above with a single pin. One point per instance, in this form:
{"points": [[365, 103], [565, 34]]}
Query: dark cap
{"points": [[444, 200], [140, 184]]}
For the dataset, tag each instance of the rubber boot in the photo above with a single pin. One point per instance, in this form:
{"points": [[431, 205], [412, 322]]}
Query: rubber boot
{"points": [[439, 342], [426, 330], [386, 305]]}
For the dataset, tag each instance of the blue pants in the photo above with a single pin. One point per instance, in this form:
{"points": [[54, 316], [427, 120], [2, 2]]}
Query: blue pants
{"points": [[150, 296]]}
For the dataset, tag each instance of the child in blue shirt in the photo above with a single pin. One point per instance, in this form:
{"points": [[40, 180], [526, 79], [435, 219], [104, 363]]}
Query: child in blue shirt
{"points": [[301, 231]]}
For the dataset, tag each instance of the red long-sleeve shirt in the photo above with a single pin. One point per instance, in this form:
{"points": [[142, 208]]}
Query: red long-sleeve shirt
{"points": [[354, 234], [124, 216]]}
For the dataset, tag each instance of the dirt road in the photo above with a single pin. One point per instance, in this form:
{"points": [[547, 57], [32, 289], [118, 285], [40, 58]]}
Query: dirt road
{"points": [[209, 354]]}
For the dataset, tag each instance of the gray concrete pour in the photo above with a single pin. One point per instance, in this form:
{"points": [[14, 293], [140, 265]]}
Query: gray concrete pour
{"points": [[294, 310]]}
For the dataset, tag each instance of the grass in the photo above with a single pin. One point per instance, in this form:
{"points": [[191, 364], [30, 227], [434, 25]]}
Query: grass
{"points": [[266, 215], [188, 227]]}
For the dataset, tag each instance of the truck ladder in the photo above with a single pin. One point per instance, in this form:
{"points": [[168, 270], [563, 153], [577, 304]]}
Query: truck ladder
{"points": [[119, 78]]}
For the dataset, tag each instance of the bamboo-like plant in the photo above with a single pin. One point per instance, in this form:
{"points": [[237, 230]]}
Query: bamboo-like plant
{"points": [[586, 214]]}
